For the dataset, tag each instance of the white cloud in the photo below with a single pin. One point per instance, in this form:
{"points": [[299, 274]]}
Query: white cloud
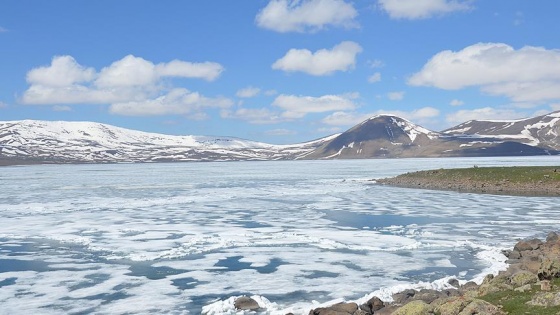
{"points": [[132, 85], [350, 119], [456, 102], [341, 57], [248, 92], [208, 71], [422, 9], [259, 116], [529, 74], [486, 113], [63, 71], [280, 132], [395, 96], [3, 105], [306, 15], [62, 108], [3, 30], [299, 106], [555, 107], [374, 78], [177, 101]]}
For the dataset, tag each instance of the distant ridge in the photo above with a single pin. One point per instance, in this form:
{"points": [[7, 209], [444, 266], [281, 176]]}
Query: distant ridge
{"points": [[31, 141], [381, 136], [388, 136]]}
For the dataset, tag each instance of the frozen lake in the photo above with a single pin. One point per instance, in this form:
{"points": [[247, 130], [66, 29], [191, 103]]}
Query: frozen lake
{"points": [[177, 238]]}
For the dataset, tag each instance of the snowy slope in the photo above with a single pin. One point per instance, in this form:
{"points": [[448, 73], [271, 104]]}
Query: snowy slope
{"points": [[542, 131], [387, 136], [59, 141]]}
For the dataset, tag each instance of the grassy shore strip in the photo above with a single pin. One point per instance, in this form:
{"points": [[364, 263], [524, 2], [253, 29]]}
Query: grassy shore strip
{"points": [[516, 180]]}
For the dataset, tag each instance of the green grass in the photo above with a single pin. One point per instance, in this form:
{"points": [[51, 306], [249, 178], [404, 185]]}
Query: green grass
{"points": [[516, 174], [514, 303]]}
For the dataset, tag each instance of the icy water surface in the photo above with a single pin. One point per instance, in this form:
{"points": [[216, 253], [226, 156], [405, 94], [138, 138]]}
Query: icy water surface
{"points": [[186, 238]]}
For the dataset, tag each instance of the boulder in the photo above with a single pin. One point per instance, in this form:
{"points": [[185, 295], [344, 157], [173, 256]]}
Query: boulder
{"points": [[528, 245], [452, 306], [336, 309], [415, 308], [522, 278], [372, 305], [545, 299], [496, 284], [245, 303], [481, 307], [403, 297], [428, 296], [549, 268], [552, 237]]}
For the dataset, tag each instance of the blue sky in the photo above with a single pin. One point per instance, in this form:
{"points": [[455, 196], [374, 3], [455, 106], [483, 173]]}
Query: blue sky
{"points": [[278, 71]]}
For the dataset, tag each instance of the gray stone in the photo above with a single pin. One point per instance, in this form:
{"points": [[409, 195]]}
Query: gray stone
{"points": [[545, 299], [336, 309], [245, 303], [552, 237]]}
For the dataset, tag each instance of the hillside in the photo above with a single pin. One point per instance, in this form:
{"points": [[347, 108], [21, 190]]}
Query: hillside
{"points": [[387, 136], [31, 141], [382, 136]]}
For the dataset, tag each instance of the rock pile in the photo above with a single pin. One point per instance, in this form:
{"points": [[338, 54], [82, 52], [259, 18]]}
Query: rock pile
{"points": [[533, 264]]}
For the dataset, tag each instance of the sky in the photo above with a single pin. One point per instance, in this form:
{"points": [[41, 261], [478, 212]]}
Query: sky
{"points": [[277, 71]]}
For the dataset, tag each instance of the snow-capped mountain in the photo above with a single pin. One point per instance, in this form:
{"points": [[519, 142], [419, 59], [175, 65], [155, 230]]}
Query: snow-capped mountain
{"points": [[378, 136], [382, 136], [30, 141], [391, 136], [541, 131]]}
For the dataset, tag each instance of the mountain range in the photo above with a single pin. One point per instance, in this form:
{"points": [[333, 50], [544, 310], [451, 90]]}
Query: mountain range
{"points": [[382, 136]]}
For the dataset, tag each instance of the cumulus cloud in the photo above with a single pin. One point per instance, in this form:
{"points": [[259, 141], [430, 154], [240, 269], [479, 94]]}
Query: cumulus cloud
{"points": [[352, 118], [395, 96], [132, 85], [422, 9], [248, 92], [341, 57], [486, 113], [177, 101], [299, 106], [456, 102], [63, 71], [374, 78], [528, 74], [306, 15], [259, 116]]}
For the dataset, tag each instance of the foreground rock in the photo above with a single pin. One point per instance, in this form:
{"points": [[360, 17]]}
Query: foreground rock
{"points": [[531, 285], [245, 303]]}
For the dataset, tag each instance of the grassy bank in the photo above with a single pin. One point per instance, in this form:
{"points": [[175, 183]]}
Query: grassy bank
{"points": [[518, 180]]}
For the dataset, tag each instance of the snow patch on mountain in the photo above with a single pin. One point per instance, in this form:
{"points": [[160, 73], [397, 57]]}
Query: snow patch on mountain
{"points": [[60, 141]]}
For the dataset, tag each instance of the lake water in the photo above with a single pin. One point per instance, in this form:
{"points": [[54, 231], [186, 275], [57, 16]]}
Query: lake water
{"points": [[190, 237]]}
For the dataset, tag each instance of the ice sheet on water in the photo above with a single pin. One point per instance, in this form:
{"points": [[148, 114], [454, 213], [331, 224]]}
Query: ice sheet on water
{"points": [[173, 238]]}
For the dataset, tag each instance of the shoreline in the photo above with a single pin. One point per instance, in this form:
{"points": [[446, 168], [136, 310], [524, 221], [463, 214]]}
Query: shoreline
{"points": [[517, 181], [530, 283]]}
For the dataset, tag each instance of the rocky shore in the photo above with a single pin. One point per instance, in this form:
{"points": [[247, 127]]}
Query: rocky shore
{"points": [[530, 285], [530, 181]]}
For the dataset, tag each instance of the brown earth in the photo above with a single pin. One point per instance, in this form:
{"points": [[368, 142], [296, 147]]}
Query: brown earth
{"points": [[435, 181]]}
